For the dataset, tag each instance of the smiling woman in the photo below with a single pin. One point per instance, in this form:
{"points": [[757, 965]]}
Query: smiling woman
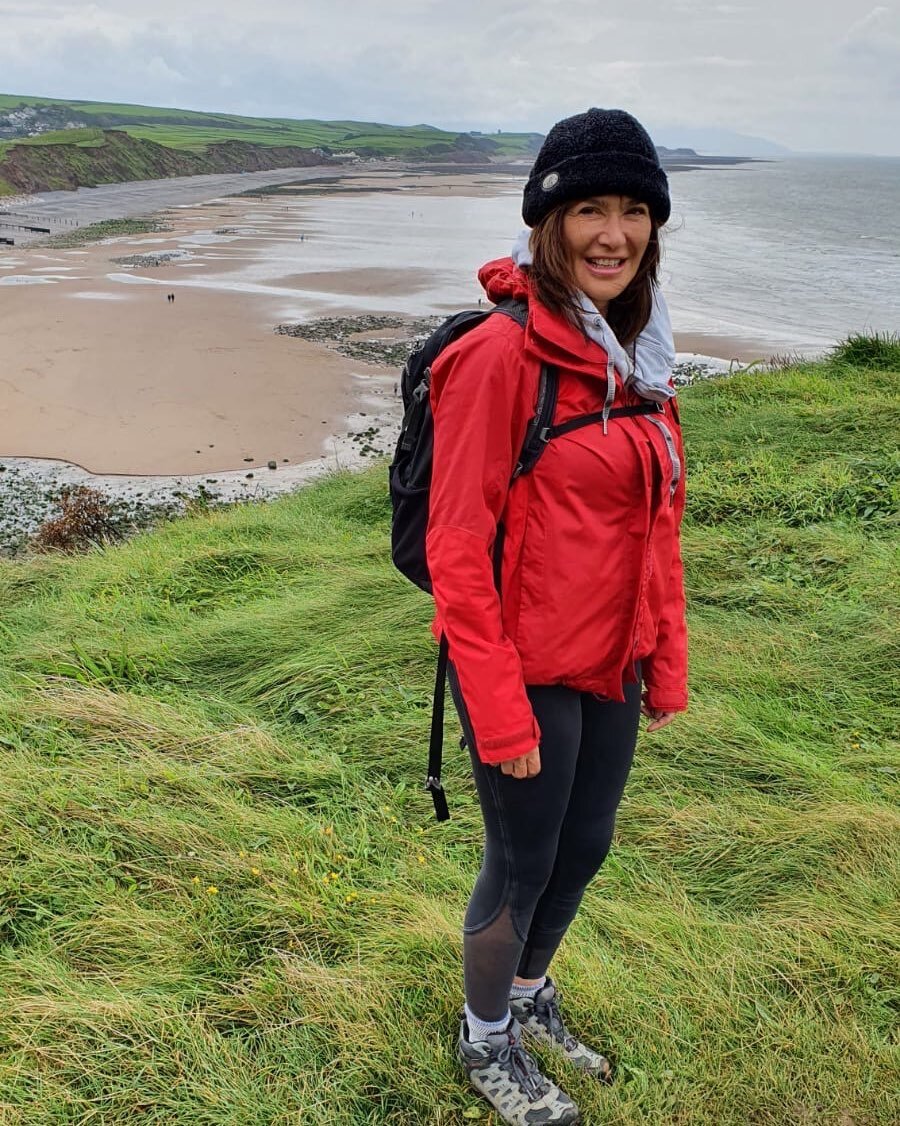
{"points": [[558, 587]]}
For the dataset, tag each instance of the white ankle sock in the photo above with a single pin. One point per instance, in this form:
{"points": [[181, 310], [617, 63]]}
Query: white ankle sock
{"points": [[528, 990], [480, 1029]]}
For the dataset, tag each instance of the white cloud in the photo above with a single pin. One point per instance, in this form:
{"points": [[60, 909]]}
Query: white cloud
{"points": [[808, 73]]}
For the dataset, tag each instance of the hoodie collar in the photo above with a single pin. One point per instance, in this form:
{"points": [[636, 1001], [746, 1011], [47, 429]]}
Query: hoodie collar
{"points": [[648, 372]]}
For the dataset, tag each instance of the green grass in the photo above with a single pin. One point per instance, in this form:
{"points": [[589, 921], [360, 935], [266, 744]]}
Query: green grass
{"points": [[224, 899], [82, 138], [105, 228]]}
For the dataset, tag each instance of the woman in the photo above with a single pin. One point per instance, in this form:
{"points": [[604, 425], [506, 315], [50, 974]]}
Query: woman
{"points": [[554, 623]]}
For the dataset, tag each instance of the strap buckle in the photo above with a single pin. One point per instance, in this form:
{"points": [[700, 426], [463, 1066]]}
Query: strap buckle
{"points": [[441, 811]]}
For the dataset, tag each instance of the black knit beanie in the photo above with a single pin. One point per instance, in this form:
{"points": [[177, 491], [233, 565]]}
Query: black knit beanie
{"points": [[601, 152]]}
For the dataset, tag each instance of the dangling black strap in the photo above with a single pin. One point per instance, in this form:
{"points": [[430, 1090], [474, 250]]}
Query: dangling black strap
{"points": [[436, 744]]}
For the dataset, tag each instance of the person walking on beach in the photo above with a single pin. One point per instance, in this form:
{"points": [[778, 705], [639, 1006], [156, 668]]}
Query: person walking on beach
{"points": [[560, 591]]}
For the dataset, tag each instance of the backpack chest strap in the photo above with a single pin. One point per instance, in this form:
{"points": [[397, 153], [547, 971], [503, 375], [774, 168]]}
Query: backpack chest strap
{"points": [[548, 433]]}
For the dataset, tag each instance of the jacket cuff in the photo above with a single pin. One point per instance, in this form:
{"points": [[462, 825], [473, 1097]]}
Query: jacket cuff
{"points": [[502, 749], [667, 701]]}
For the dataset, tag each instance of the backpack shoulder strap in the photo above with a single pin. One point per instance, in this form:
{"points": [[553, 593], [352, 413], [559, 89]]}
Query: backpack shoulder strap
{"points": [[536, 435], [514, 309]]}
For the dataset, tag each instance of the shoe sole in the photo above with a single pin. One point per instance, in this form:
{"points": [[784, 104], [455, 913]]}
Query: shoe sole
{"points": [[473, 1083]]}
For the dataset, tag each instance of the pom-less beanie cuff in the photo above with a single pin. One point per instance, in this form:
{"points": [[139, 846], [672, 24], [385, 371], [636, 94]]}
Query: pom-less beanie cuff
{"points": [[596, 153]]}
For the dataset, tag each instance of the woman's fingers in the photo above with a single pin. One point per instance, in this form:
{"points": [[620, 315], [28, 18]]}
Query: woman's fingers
{"points": [[525, 766], [660, 719]]}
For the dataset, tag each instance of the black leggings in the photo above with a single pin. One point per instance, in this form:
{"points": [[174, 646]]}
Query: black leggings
{"points": [[545, 837]]}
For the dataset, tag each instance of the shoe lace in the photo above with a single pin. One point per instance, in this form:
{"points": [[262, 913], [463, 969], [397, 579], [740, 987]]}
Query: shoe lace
{"points": [[547, 1012], [522, 1067]]}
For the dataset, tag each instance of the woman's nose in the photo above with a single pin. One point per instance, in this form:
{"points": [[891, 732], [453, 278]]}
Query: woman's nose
{"points": [[613, 231]]}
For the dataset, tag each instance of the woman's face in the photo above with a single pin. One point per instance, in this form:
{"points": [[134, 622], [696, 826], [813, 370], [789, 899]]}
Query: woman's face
{"points": [[605, 238]]}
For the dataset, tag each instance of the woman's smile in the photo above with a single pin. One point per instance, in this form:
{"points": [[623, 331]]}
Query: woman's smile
{"points": [[605, 267]]}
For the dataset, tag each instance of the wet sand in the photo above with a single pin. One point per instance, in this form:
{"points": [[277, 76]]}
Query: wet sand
{"points": [[133, 383]]}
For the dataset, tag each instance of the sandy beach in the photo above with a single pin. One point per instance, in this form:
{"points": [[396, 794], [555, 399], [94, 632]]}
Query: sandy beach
{"points": [[108, 381]]}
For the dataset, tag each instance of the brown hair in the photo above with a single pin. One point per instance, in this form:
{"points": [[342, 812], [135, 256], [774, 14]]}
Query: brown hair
{"points": [[552, 281]]}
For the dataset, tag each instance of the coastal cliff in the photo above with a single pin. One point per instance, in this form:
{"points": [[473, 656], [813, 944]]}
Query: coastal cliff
{"points": [[111, 156]]}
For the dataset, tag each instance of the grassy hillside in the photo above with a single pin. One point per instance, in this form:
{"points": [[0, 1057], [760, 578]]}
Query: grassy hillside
{"points": [[199, 134], [224, 899]]}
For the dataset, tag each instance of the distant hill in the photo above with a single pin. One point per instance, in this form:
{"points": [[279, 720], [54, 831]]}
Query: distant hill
{"points": [[712, 140], [49, 143]]}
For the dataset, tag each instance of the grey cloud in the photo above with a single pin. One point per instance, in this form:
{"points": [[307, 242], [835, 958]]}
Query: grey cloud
{"points": [[872, 48], [784, 68]]}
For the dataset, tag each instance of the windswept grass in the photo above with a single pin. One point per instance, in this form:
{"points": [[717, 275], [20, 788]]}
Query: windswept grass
{"points": [[224, 899]]}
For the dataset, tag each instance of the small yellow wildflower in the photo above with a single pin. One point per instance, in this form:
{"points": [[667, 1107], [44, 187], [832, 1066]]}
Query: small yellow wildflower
{"points": [[195, 879], [242, 853], [328, 830], [420, 858], [350, 898], [212, 890], [255, 872], [295, 871]]}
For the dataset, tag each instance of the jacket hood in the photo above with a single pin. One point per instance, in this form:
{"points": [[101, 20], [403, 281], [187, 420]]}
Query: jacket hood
{"points": [[551, 338], [502, 279]]}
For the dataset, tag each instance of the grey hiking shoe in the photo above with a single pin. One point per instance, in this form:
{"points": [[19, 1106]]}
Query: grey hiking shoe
{"points": [[540, 1019], [500, 1069]]}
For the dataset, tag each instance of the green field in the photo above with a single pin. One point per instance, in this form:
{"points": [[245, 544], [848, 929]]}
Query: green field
{"points": [[225, 901], [193, 130]]}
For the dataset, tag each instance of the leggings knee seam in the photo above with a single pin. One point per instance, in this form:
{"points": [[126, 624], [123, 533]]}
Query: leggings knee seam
{"points": [[509, 893]]}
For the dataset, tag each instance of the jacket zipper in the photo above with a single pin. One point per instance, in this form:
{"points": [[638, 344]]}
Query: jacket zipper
{"points": [[673, 455]]}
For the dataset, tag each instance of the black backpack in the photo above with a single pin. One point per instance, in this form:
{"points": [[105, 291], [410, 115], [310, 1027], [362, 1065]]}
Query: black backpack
{"points": [[410, 482]]}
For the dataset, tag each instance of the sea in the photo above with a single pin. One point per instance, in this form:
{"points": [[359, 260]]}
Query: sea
{"points": [[791, 255], [794, 254]]}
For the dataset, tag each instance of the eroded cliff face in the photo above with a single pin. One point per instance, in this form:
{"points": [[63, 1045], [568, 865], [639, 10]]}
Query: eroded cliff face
{"points": [[119, 157]]}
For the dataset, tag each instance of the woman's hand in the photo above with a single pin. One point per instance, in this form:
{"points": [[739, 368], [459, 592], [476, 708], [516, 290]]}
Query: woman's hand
{"points": [[525, 766], [658, 718]]}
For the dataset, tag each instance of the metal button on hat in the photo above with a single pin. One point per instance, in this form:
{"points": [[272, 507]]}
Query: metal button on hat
{"points": [[550, 181]]}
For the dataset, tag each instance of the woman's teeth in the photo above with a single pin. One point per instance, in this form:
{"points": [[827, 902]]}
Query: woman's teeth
{"points": [[606, 263]]}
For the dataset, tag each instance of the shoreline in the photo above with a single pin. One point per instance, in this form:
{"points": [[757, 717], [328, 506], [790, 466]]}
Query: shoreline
{"points": [[31, 487], [154, 404]]}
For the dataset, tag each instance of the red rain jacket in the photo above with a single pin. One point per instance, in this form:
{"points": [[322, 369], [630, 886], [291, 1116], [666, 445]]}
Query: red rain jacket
{"points": [[591, 576]]}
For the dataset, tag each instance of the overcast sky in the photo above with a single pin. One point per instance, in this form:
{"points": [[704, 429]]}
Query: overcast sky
{"points": [[814, 75]]}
